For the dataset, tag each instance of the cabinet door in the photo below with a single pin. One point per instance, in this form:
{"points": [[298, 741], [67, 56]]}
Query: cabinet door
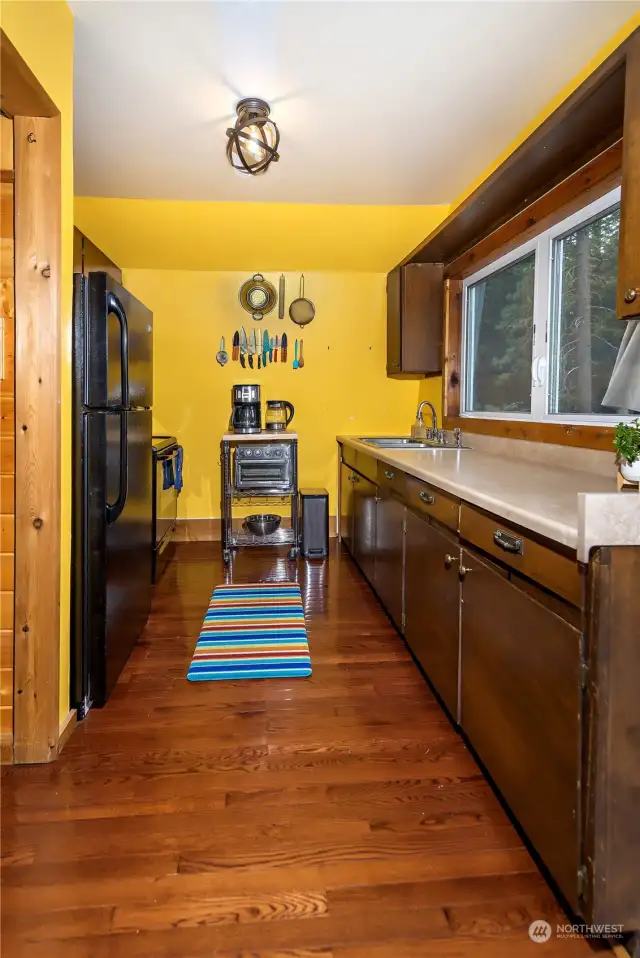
{"points": [[415, 297], [521, 708], [432, 605], [390, 557], [347, 477], [364, 526]]}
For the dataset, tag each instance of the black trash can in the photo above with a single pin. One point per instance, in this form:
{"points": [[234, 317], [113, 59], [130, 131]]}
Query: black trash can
{"points": [[314, 523]]}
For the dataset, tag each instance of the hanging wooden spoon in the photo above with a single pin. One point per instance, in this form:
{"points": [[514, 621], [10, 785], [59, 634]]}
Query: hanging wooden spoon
{"points": [[301, 357]]}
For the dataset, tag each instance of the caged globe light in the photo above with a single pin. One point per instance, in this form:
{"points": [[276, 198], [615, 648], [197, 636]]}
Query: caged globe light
{"points": [[253, 141]]}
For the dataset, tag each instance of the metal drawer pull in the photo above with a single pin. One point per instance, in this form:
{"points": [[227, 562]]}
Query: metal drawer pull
{"points": [[389, 474], [449, 560], [463, 571], [428, 498], [508, 542]]}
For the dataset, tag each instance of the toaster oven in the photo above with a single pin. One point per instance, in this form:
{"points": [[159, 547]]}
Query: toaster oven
{"points": [[263, 465]]}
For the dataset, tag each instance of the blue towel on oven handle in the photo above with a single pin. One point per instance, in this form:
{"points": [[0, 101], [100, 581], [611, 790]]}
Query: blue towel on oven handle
{"points": [[177, 471], [168, 477]]}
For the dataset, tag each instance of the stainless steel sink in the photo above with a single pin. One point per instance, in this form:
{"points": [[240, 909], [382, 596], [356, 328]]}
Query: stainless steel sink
{"points": [[395, 442]]}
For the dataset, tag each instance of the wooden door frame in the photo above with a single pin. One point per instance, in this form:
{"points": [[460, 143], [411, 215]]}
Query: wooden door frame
{"points": [[37, 276]]}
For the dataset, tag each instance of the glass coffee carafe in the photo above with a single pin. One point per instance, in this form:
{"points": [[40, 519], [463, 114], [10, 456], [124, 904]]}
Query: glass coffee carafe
{"points": [[279, 414]]}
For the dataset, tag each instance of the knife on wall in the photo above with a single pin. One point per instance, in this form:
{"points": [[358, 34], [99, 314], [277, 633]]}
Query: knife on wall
{"points": [[265, 346], [284, 347], [243, 348], [271, 342], [277, 345], [259, 348], [252, 348], [235, 351]]}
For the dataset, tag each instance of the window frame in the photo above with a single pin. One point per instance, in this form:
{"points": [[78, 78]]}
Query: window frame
{"points": [[543, 246]]}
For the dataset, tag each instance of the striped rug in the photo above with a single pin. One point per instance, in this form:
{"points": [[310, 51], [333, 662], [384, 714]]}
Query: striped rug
{"points": [[252, 631]]}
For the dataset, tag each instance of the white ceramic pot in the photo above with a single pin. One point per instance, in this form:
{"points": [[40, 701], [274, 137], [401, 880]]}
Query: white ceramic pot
{"points": [[630, 473]]}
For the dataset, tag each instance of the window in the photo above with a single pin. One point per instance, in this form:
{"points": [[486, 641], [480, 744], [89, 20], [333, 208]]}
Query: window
{"points": [[540, 333]]}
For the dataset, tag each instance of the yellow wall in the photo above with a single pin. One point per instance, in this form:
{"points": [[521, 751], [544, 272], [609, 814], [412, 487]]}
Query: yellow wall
{"points": [[42, 32], [342, 388], [161, 234]]}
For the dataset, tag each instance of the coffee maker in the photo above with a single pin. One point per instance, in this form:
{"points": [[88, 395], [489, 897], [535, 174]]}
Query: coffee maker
{"points": [[245, 413]]}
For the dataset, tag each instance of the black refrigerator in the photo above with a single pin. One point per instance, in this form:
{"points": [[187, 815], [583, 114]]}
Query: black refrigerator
{"points": [[112, 482]]}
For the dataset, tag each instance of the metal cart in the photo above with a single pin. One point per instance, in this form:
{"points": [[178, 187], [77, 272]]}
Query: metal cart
{"points": [[233, 540]]}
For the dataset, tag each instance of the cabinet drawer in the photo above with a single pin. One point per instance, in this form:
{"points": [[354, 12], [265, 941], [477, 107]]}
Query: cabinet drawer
{"points": [[432, 502], [550, 569], [391, 478]]}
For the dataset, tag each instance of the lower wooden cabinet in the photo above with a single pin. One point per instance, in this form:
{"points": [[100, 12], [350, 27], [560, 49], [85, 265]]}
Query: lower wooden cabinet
{"points": [[432, 605], [365, 494], [389, 575], [347, 481], [522, 710]]}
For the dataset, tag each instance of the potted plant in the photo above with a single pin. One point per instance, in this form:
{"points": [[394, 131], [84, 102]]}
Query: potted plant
{"points": [[627, 445]]}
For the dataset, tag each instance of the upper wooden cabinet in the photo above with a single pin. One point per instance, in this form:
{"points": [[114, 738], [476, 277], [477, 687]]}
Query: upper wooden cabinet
{"points": [[628, 304], [87, 258], [414, 319]]}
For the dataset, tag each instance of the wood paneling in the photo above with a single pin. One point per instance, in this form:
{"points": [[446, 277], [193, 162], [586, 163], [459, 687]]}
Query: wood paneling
{"points": [[37, 279], [7, 438], [629, 263], [337, 816], [21, 91]]}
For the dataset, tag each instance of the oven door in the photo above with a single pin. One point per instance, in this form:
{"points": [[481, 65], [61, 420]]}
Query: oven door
{"points": [[166, 499], [263, 474]]}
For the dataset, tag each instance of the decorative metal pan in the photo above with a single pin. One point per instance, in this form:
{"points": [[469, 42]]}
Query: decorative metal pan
{"points": [[258, 296]]}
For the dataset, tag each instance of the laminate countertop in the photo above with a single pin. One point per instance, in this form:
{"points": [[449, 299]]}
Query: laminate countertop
{"points": [[578, 509]]}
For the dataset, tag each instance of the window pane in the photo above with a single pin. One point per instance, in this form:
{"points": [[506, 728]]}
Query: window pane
{"points": [[499, 340], [585, 334]]}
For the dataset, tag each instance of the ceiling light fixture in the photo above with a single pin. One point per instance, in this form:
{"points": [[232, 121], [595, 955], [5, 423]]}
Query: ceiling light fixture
{"points": [[253, 141]]}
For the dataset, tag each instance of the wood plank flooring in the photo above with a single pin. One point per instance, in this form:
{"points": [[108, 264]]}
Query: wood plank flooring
{"points": [[336, 816]]}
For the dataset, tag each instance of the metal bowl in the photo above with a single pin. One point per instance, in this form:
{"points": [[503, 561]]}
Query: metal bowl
{"points": [[262, 525]]}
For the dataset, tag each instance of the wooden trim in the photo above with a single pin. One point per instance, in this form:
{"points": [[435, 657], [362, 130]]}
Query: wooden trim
{"points": [[451, 348], [197, 530], [589, 183], [628, 265], [6, 749], [584, 125], [38, 485], [560, 434], [22, 94], [67, 728]]}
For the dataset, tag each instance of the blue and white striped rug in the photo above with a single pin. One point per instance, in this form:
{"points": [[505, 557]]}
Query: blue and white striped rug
{"points": [[252, 631]]}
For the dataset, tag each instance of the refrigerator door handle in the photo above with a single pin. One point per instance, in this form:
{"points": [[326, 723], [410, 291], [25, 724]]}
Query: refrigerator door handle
{"points": [[114, 510], [115, 306]]}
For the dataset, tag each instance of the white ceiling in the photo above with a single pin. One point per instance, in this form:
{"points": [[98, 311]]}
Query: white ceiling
{"points": [[377, 102]]}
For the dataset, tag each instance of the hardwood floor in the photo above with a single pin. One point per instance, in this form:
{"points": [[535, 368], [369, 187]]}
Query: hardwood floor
{"points": [[336, 816]]}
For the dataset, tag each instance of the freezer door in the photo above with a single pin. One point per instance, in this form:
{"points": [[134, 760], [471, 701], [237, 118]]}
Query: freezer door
{"points": [[118, 347], [118, 542]]}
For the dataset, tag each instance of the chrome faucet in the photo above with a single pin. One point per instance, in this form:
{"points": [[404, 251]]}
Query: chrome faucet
{"points": [[434, 425]]}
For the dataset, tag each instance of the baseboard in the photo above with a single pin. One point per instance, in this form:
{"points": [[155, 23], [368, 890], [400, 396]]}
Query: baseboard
{"points": [[209, 530], [6, 748], [197, 530], [66, 729]]}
